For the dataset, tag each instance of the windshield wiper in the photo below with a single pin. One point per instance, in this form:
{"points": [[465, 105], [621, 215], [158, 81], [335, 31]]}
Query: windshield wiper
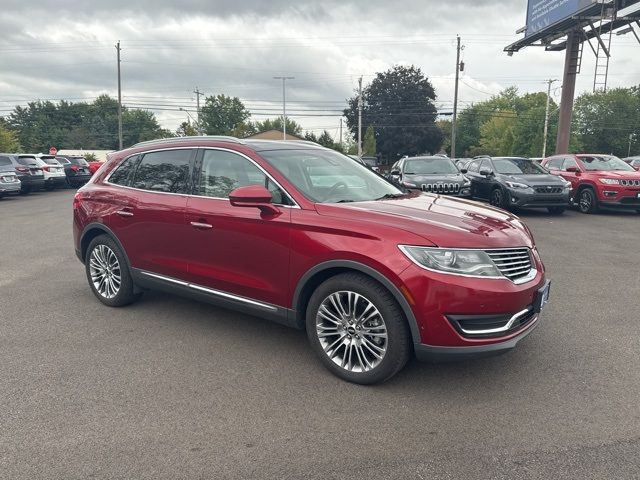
{"points": [[390, 195]]}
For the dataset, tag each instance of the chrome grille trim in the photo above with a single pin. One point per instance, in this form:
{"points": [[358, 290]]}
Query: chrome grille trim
{"points": [[513, 263], [630, 183]]}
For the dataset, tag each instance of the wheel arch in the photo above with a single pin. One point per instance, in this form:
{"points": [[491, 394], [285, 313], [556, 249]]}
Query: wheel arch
{"points": [[94, 230], [323, 271]]}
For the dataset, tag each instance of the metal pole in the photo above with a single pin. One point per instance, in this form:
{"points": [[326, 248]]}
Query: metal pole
{"points": [[546, 119], [340, 131], [119, 100], [360, 117], [198, 93], [568, 91], [284, 105], [455, 103]]}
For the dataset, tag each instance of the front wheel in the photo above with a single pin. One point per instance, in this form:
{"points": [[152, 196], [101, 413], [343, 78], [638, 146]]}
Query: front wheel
{"points": [[108, 273], [357, 329], [587, 201], [497, 198]]}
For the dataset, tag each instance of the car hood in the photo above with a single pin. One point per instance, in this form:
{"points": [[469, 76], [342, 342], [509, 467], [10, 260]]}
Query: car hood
{"points": [[441, 220], [535, 180], [621, 175], [434, 178]]}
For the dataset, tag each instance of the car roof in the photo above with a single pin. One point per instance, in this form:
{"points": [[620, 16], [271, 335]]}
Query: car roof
{"points": [[427, 157], [257, 145]]}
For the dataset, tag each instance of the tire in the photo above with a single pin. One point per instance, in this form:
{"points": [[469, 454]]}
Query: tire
{"points": [[25, 190], [497, 198], [104, 256], [587, 201], [556, 210], [368, 352]]}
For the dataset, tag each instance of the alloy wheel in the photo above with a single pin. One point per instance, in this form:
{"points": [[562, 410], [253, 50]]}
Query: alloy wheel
{"points": [[351, 331], [496, 198], [585, 201], [104, 269]]}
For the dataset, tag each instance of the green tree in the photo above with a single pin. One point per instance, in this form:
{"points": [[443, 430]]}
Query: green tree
{"points": [[222, 115], [603, 121], [8, 140], [497, 134], [311, 137], [399, 104], [326, 140], [445, 128], [186, 130], [293, 127], [369, 142]]}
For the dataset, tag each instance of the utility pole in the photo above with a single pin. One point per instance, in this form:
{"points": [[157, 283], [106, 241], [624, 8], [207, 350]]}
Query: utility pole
{"points": [[455, 103], [198, 93], [119, 100], [546, 119], [360, 117], [284, 105], [571, 60], [340, 131]]}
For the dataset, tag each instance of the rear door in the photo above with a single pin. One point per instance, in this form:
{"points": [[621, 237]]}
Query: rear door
{"points": [[148, 214], [236, 250]]}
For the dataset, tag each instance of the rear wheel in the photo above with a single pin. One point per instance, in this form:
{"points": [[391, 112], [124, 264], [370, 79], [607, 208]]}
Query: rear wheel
{"points": [[108, 273], [556, 210], [357, 329], [587, 201]]}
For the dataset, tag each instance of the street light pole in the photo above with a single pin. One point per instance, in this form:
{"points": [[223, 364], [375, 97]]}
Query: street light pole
{"points": [[546, 119], [284, 105], [119, 100]]}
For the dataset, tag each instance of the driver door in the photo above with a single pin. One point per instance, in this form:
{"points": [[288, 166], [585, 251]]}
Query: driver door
{"points": [[236, 250]]}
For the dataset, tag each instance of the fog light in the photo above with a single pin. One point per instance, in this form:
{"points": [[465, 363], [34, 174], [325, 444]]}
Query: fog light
{"points": [[609, 193]]}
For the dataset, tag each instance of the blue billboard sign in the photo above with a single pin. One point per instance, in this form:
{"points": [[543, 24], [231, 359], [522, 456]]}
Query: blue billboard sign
{"points": [[542, 14]]}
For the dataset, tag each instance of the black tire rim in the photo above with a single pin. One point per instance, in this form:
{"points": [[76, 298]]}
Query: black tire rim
{"points": [[586, 201], [496, 198]]}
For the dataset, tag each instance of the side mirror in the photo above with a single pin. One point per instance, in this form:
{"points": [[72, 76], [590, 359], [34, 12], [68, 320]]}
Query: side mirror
{"points": [[463, 170], [395, 173], [573, 169], [485, 173], [254, 196]]}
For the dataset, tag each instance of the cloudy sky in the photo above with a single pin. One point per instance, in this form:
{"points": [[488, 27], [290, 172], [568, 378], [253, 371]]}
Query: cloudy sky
{"points": [[64, 49]]}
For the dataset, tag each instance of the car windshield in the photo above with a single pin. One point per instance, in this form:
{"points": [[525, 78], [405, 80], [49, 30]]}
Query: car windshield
{"points": [[430, 166], [517, 166], [604, 163], [326, 176]]}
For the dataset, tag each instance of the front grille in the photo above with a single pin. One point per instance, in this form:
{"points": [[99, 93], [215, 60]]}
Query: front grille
{"points": [[630, 183], [513, 263], [441, 187], [549, 189]]}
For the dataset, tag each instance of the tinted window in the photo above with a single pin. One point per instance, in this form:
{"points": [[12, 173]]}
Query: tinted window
{"points": [[122, 174], [486, 165], [5, 161], [163, 171], [517, 166], [28, 161], [63, 160], [79, 161], [222, 172], [430, 166]]}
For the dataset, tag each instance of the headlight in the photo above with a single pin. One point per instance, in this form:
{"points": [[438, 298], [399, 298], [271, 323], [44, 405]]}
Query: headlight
{"points": [[517, 185], [466, 182], [610, 181], [457, 262]]}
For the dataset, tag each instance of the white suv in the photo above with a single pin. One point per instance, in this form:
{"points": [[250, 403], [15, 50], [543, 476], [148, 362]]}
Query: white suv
{"points": [[54, 175]]}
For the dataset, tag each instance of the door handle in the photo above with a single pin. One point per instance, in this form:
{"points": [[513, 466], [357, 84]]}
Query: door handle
{"points": [[201, 225], [124, 213]]}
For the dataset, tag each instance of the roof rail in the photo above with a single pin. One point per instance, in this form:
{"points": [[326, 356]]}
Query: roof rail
{"points": [[221, 138]]}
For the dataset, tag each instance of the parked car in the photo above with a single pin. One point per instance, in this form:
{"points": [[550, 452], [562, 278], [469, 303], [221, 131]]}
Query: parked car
{"points": [[29, 173], [433, 174], [9, 181], [513, 182], [52, 170], [598, 181], [76, 169], [94, 166], [634, 162], [305, 236]]}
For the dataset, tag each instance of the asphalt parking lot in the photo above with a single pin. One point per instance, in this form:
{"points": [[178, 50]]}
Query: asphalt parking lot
{"points": [[171, 388]]}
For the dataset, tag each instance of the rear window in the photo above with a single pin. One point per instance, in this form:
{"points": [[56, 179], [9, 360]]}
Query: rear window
{"points": [[165, 171], [122, 174], [79, 161], [49, 160], [4, 161], [27, 161]]}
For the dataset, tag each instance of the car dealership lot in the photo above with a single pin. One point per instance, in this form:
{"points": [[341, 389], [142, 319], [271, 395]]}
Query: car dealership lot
{"points": [[170, 388]]}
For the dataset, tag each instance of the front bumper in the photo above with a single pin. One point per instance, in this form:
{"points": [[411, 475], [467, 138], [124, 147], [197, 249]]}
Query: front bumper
{"points": [[621, 201], [524, 199], [79, 179]]}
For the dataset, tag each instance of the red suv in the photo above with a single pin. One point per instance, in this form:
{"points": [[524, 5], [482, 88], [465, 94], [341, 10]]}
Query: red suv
{"points": [[598, 181], [307, 237]]}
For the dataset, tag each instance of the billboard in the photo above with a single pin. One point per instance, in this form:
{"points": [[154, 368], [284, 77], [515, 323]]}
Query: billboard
{"points": [[542, 14]]}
